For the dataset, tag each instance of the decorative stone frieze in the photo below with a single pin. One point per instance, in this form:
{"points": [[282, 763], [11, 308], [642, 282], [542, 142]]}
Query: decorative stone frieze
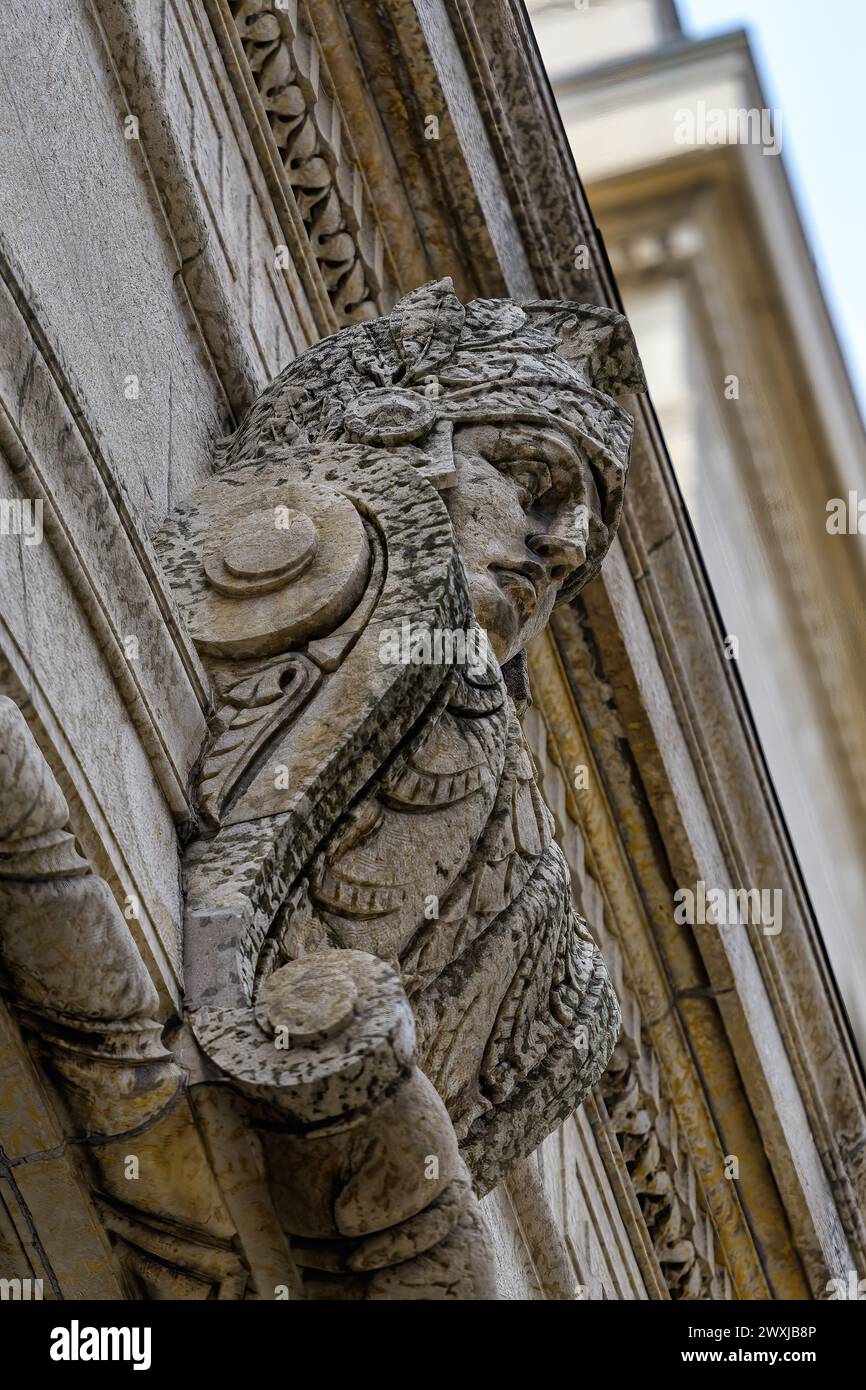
{"points": [[631, 1094], [305, 123]]}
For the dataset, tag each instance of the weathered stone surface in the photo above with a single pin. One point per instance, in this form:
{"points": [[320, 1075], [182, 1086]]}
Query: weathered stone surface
{"points": [[295, 554]]}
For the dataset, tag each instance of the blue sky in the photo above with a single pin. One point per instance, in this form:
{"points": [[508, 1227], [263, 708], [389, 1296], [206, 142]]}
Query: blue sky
{"points": [[811, 60]]}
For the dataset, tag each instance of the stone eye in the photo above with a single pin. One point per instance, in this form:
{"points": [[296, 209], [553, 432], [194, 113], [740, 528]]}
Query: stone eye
{"points": [[532, 481]]}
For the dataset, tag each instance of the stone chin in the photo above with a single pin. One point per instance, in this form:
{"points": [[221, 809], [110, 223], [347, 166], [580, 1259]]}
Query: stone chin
{"points": [[507, 607], [495, 614]]}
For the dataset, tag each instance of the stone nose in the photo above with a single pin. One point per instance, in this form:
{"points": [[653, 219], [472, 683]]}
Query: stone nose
{"points": [[561, 554]]}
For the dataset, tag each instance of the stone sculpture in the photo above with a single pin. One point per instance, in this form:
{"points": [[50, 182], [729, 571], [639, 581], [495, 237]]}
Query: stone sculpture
{"points": [[375, 901]]}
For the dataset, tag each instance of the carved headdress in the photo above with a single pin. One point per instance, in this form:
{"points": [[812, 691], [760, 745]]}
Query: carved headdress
{"points": [[408, 379]]}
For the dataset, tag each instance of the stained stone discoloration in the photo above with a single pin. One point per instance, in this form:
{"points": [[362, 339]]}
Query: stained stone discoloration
{"points": [[378, 857]]}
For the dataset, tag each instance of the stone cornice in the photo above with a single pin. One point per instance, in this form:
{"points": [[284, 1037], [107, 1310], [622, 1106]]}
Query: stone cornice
{"points": [[788, 482], [284, 91], [655, 1093]]}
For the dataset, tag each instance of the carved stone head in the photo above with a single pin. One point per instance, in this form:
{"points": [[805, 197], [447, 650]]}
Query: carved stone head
{"points": [[505, 408]]}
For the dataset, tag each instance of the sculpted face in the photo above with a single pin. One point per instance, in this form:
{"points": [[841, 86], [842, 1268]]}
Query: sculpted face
{"points": [[521, 508], [536, 435]]}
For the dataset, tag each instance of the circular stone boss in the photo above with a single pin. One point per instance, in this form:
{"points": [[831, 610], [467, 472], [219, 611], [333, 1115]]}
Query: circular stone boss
{"points": [[282, 567]]}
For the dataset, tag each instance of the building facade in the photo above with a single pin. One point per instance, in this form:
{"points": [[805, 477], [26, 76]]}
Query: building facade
{"points": [[197, 194]]}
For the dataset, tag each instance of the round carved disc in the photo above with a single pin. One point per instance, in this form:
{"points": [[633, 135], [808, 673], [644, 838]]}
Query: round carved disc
{"points": [[261, 552], [390, 415], [265, 568], [311, 998]]}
